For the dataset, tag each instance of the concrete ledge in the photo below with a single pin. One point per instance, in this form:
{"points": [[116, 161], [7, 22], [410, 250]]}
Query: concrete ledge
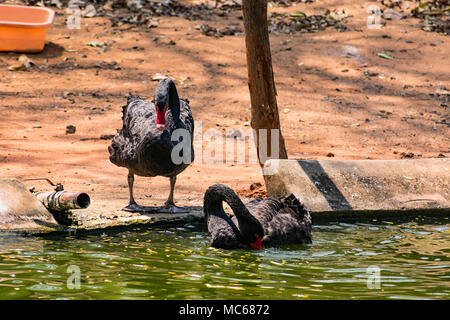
{"points": [[23, 213], [364, 187], [93, 220]]}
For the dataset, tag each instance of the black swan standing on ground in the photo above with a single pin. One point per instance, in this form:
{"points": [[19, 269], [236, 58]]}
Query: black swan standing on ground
{"points": [[144, 143], [262, 222]]}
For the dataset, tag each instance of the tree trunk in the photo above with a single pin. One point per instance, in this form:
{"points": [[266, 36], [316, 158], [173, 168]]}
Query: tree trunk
{"points": [[260, 78]]}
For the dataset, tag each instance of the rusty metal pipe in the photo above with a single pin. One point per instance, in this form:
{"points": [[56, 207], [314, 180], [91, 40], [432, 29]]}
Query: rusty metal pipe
{"points": [[63, 200]]}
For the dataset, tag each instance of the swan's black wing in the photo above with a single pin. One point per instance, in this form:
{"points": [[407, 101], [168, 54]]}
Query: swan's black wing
{"points": [[284, 228], [264, 209], [122, 149], [285, 220], [138, 118]]}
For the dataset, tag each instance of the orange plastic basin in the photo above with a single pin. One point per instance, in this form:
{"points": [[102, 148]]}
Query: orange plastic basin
{"points": [[23, 28]]}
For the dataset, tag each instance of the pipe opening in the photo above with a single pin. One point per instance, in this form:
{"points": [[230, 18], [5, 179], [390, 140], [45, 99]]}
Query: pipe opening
{"points": [[83, 200]]}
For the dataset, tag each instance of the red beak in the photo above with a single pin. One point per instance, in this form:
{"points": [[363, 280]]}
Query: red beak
{"points": [[161, 118], [257, 244]]}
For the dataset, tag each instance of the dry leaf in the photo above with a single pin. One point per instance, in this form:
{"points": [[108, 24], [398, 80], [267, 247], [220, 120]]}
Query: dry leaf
{"points": [[23, 65]]}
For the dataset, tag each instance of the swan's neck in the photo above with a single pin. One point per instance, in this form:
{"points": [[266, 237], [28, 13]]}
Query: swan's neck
{"points": [[166, 92], [214, 198], [217, 194], [174, 104]]}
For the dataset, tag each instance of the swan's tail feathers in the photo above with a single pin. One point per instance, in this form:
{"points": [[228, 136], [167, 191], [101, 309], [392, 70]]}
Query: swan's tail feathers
{"points": [[293, 203], [124, 130], [120, 152], [129, 97], [124, 110]]}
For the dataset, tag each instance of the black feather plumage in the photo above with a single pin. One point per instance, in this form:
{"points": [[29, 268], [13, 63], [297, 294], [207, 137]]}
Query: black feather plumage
{"points": [[140, 146]]}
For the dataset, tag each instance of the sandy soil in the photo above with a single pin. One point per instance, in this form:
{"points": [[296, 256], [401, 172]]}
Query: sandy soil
{"points": [[337, 98]]}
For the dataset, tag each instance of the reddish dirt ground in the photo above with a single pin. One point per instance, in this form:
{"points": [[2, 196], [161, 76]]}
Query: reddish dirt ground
{"points": [[329, 107]]}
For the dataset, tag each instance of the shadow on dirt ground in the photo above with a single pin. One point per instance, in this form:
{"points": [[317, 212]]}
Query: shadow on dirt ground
{"points": [[346, 92]]}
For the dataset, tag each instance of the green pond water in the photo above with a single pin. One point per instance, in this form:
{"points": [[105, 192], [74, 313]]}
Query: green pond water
{"points": [[412, 257]]}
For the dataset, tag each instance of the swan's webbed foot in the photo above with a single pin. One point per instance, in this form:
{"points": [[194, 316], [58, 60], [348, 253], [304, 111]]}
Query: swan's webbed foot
{"points": [[172, 208], [134, 207], [168, 208]]}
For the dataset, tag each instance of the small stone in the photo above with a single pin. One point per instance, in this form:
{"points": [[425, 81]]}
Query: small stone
{"points": [[370, 73], [390, 14], [407, 155], [70, 129], [255, 185]]}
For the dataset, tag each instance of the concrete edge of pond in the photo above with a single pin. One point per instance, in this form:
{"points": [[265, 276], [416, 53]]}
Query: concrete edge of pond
{"points": [[369, 215], [144, 219], [158, 220], [363, 186], [129, 223], [101, 226]]}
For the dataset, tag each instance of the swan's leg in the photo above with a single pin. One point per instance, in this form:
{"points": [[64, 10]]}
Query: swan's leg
{"points": [[169, 201], [132, 205], [130, 187], [170, 204]]}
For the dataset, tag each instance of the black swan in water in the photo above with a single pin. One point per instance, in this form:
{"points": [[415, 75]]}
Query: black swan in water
{"points": [[144, 144], [262, 222]]}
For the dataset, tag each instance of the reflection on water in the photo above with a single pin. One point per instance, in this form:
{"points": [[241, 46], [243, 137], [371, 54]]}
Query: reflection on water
{"points": [[177, 263]]}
